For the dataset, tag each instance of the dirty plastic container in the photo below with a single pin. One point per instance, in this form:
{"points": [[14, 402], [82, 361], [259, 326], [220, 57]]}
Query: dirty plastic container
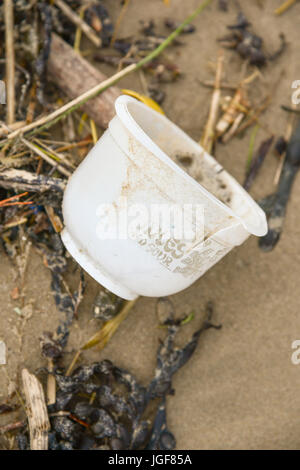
{"points": [[128, 168]]}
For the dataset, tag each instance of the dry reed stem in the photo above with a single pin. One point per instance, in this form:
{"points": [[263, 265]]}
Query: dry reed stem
{"points": [[10, 60]]}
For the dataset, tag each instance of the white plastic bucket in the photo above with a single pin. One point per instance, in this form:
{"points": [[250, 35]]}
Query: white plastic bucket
{"points": [[130, 163]]}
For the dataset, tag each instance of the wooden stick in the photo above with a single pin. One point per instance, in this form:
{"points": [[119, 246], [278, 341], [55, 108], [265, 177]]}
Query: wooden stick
{"points": [[36, 409], [10, 60], [21, 180], [88, 31], [74, 75], [15, 125], [100, 88], [209, 132]]}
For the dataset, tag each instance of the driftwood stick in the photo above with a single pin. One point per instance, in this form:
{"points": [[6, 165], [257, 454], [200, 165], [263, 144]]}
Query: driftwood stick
{"points": [[74, 75], [10, 60], [36, 411], [21, 180]]}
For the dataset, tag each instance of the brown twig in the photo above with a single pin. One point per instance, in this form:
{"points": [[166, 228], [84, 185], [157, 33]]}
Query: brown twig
{"points": [[119, 21], [82, 143], [45, 157], [209, 132], [12, 426], [255, 115], [10, 60], [223, 86], [21, 180], [88, 31]]}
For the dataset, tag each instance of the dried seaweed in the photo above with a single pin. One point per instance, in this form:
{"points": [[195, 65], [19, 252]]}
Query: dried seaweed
{"points": [[257, 162], [98, 17], [248, 44], [106, 305], [223, 5], [104, 406], [276, 204]]}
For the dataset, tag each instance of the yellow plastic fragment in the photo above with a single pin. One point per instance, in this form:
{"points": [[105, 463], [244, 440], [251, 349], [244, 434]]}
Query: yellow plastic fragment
{"points": [[144, 99]]}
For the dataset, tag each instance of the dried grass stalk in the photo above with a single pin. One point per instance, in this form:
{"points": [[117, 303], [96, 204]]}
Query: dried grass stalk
{"points": [[37, 415], [10, 60]]}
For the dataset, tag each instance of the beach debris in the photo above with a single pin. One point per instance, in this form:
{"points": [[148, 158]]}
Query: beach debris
{"points": [[155, 93], [144, 99], [276, 204], [74, 104], [97, 16], [172, 24], [74, 18], [43, 56], [12, 427], [104, 406], [249, 45], [10, 60], [74, 75], [5, 408], [234, 110], [284, 7], [36, 410], [101, 337], [22, 180], [257, 162], [223, 5], [209, 135], [106, 305], [280, 147], [161, 438], [14, 201], [2, 354]]}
